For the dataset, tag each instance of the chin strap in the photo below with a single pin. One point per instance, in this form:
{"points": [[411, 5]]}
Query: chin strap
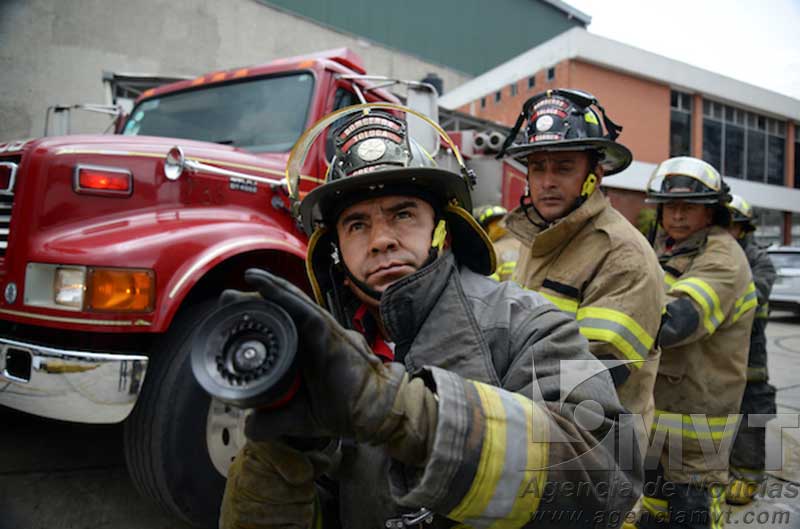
{"points": [[437, 245]]}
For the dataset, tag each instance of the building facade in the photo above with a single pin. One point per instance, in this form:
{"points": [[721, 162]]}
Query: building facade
{"points": [[58, 53], [667, 108]]}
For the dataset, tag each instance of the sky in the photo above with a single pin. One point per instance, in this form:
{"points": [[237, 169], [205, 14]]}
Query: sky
{"points": [[755, 41]]}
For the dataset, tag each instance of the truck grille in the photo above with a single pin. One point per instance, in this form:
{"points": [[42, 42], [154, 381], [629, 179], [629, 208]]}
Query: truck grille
{"points": [[8, 174]]}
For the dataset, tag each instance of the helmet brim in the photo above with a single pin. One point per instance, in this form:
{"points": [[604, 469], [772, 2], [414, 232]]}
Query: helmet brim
{"points": [[615, 156], [323, 201], [692, 198]]}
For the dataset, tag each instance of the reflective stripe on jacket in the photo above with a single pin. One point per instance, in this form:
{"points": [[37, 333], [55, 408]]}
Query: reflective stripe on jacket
{"points": [[594, 265], [704, 371]]}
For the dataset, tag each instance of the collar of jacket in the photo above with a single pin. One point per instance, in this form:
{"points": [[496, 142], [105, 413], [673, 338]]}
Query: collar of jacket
{"points": [[689, 246], [542, 242], [406, 304]]}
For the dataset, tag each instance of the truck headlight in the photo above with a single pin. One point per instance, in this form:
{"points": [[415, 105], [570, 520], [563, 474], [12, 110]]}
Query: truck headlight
{"points": [[89, 288], [69, 286]]}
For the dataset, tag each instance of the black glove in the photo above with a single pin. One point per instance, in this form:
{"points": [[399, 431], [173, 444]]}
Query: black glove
{"points": [[347, 391]]}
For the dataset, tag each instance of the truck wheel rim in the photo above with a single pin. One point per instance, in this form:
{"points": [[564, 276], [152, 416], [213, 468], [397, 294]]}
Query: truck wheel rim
{"points": [[224, 434]]}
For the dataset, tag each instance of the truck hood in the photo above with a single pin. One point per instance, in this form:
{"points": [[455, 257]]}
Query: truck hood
{"points": [[273, 164]]}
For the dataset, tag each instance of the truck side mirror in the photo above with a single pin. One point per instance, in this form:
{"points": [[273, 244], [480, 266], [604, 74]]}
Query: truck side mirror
{"points": [[423, 98]]}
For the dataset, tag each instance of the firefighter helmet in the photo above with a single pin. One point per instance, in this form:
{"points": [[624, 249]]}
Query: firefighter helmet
{"points": [[687, 179], [374, 157], [486, 214], [741, 212], [564, 120]]}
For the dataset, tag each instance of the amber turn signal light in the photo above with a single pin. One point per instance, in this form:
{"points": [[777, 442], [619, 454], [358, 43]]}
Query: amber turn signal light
{"points": [[120, 290]]}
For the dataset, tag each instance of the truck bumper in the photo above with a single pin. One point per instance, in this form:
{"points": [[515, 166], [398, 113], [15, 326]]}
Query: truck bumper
{"points": [[69, 385]]}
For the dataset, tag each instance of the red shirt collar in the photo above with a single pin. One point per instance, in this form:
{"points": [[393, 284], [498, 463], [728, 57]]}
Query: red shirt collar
{"points": [[378, 344]]}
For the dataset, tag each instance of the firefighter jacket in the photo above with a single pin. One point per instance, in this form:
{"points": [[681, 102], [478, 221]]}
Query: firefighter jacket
{"points": [[710, 308], [506, 248], [763, 277], [508, 451], [597, 267]]}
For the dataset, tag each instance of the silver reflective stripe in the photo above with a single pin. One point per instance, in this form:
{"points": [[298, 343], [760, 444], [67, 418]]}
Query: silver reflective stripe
{"points": [[708, 299], [514, 465], [619, 329]]}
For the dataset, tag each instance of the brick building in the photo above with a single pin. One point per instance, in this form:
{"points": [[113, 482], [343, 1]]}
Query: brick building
{"points": [[667, 108]]}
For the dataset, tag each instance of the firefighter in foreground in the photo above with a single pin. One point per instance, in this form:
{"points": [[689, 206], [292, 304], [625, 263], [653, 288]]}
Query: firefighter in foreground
{"points": [[577, 250], [704, 343], [440, 386], [747, 457], [506, 247]]}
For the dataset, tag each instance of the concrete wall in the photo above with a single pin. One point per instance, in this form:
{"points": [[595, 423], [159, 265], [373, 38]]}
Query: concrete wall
{"points": [[54, 52]]}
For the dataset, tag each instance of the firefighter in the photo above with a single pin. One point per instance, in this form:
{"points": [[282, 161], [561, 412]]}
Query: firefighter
{"points": [[577, 250], [506, 247], [439, 386], [747, 457], [708, 318]]}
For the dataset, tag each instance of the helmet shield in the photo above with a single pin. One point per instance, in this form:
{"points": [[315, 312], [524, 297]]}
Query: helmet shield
{"points": [[688, 179], [565, 120]]}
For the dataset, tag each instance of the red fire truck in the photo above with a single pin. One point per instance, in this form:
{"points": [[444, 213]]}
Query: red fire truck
{"points": [[113, 247]]}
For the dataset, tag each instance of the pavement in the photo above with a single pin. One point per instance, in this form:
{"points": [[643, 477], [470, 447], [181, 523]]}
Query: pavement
{"points": [[57, 475]]}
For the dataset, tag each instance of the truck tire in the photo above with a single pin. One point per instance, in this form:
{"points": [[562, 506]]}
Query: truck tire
{"points": [[178, 443]]}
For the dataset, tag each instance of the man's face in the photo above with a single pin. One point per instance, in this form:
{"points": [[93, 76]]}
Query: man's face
{"points": [[682, 219], [736, 229], [556, 179], [382, 240]]}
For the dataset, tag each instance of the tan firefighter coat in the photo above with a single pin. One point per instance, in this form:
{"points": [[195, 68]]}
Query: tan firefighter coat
{"points": [[595, 265], [706, 371]]}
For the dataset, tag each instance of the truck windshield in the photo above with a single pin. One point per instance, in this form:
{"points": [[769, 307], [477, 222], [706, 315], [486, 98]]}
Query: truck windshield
{"points": [[261, 115]]}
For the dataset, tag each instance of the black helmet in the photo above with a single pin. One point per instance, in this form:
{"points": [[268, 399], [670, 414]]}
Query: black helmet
{"points": [[374, 156], [741, 212], [564, 120]]}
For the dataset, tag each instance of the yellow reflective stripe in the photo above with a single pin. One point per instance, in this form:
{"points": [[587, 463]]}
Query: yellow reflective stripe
{"points": [[669, 279], [490, 465], [763, 311], [684, 425], [532, 486], [704, 295], [655, 506], [748, 301], [715, 509], [616, 328], [495, 276], [512, 469], [568, 305], [757, 374], [507, 267]]}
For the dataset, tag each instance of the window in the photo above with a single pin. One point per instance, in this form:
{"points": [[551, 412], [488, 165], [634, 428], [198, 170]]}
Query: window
{"points": [[797, 156], [498, 96], [483, 102], [265, 114], [743, 144], [551, 73], [769, 226], [531, 81], [513, 89], [680, 124]]}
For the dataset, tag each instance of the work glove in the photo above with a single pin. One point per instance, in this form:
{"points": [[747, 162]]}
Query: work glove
{"points": [[347, 391], [270, 485]]}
